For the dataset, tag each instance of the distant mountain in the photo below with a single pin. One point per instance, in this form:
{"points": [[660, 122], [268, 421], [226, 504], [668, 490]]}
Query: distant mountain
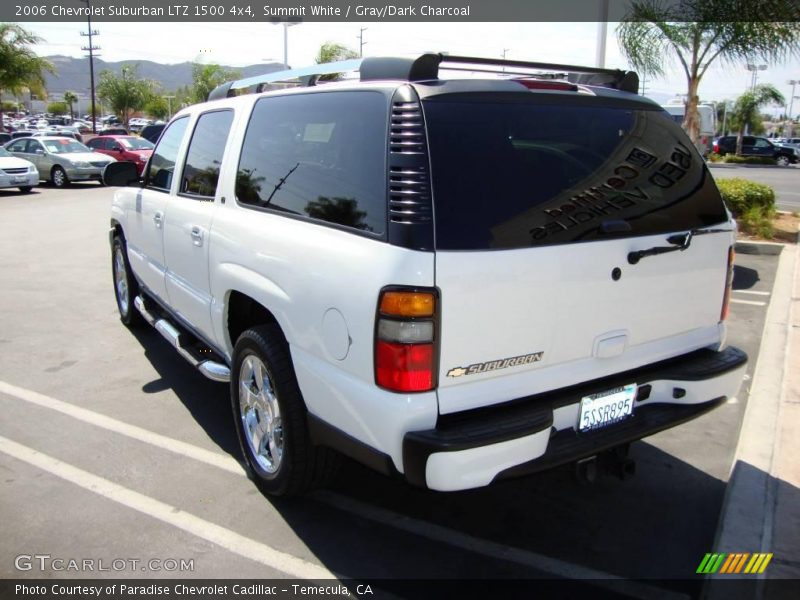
{"points": [[73, 73]]}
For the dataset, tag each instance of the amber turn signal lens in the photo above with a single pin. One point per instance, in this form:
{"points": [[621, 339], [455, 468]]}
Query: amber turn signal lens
{"points": [[408, 304]]}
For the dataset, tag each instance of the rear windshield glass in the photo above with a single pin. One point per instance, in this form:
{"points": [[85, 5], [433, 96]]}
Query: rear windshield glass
{"points": [[519, 173]]}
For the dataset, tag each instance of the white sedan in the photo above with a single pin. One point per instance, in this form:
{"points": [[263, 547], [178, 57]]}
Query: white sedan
{"points": [[17, 172]]}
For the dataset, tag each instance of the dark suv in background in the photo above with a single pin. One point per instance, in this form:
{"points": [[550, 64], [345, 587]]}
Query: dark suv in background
{"points": [[757, 146]]}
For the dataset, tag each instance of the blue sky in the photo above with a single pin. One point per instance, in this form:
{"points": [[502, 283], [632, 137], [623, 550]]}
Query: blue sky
{"points": [[238, 44]]}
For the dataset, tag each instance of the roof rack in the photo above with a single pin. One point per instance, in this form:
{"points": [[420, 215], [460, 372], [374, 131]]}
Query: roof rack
{"points": [[425, 68]]}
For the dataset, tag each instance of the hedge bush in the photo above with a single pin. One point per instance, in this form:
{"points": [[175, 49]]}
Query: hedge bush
{"points": [[748, 160], [753, 204]]}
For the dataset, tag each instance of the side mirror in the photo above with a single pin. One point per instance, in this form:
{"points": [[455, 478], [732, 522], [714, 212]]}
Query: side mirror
{"points": [[120, 174], [38, 151]]}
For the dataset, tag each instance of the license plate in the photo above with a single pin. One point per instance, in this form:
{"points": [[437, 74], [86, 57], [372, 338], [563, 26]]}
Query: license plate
{"points": [[19, 179], [606, 408]]}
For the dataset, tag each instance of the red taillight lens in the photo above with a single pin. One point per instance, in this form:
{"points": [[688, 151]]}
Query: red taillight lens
{"points": [[547, 84], [405, 340], [404, 367], [726, 299]]}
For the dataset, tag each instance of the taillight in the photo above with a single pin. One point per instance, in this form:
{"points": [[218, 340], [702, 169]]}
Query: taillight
{"points": [[726, 300], [547, 84], [405, 340]]}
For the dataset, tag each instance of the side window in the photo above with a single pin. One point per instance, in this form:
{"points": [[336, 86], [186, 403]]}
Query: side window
{"points": [[18, 146], [760, 143], [95, 143], [318, 155], [162, 163], [748, 140], [201, 171]]}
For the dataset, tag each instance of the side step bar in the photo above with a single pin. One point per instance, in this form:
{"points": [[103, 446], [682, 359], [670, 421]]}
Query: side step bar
{"points": [[213, 370]]}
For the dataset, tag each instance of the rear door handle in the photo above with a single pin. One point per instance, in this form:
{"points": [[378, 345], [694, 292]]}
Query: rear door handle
{"points": [[158, 219], [197, 235]]}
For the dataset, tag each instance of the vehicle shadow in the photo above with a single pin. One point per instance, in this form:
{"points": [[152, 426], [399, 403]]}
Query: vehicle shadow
{"points": [[657, 524], [744, 278]]}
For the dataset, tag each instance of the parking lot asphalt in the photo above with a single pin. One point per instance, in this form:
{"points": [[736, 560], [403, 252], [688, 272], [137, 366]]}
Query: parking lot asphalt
{"points": [[112, 447]]}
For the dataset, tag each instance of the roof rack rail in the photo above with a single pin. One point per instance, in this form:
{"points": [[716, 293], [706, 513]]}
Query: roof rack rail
{"points": [[426, 67]]}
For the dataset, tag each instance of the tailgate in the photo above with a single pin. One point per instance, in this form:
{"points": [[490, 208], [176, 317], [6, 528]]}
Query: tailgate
{"points": [[538, 206]]}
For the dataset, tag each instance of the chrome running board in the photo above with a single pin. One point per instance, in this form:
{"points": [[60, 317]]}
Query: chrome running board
{"points": [[213, 370]]}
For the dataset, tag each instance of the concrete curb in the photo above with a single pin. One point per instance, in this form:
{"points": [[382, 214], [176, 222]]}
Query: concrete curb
{"points": [[748, 511]]}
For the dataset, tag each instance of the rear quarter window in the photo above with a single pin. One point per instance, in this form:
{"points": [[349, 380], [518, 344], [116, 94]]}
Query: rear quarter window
{"points": [[517, 173], [320, 156]]}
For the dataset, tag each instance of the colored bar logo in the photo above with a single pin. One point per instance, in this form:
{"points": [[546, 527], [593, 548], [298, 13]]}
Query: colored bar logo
{"points": [[737, 562]]}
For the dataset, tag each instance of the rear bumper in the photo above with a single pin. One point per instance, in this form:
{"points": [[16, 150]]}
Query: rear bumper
{"points": [[473, 448]]}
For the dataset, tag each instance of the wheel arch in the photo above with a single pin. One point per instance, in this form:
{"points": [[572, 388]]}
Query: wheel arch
{"points": [[243, 312]]}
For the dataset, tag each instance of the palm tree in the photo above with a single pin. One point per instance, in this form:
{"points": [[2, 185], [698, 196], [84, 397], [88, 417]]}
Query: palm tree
{"points": [[20, 68], [746, 111], [70, 98], [700, 32]]}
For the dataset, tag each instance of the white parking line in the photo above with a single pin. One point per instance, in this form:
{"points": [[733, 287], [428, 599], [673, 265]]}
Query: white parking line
{"points": [[457, 539], [220, 461], [398, 521], [750, 302], [753, 292], [230, 540]]}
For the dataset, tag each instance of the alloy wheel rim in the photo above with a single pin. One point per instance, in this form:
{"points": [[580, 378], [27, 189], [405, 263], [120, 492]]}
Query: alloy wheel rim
{"points": [[121, 281], [58, 177], [260, 414]]}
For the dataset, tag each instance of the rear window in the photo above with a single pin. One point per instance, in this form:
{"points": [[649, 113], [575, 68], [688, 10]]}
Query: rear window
{"points": [[518, 173]]}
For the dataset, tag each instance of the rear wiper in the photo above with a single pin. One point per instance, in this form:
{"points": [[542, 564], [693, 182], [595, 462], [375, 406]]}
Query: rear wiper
{"points": [[680, 241]]}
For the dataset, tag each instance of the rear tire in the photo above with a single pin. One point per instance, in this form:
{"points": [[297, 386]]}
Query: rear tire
{"points": [[26, 189], [270, 417], [59, 177], [783, 161]]}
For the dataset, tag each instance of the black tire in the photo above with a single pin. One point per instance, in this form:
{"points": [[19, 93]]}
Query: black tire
{"points": [[299, 466], [26, 189], [59, 177], [783, 161], [124, 284]]}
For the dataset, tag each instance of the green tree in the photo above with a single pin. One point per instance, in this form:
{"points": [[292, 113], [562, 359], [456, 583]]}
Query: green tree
{"points": [[157, 107], [126, 92], [70, 98], [700, 32], [57, 108], [746, 112], [333, 52], [20, 68], [206, 77]]}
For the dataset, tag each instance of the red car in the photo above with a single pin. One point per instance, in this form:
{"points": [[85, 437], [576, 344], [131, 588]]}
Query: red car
{"points": [[123, 147]]}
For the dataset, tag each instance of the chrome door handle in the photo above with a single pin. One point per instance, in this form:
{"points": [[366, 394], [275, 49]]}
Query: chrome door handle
{"points": [[197, 236], [158, 219]]}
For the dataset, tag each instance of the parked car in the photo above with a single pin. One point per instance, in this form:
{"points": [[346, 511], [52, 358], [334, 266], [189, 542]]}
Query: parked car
{"points": [[5, 138], [445, 279], [113, 131], [60, 132], [17, 172], [152, 132], [757, 146], [123, 148], [61, 159]]}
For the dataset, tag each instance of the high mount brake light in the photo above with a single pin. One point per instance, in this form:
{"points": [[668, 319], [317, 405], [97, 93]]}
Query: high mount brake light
{"points": [[547, 84], [405, 341]]}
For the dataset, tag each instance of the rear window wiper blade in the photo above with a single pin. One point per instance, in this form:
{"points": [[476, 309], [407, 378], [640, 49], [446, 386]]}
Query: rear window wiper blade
{"points": [[679, 241]]}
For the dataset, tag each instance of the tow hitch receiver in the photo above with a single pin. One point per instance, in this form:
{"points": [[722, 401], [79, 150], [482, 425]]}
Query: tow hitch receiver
{"points": [[614, 462]]}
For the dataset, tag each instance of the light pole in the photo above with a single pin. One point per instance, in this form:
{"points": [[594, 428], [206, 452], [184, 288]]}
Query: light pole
{"points": [[754, 69], [169, 106], [602, 32], [286, 25], [788, 131]]}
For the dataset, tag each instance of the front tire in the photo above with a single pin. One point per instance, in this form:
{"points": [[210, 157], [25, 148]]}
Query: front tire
{"points": [[270, 417], [26, 189], [126, 288], [783, 161], [59, 177]]}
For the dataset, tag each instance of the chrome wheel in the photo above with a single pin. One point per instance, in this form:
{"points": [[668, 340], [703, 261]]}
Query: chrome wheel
{"points": [[783, 161], [121, 281], [260, 414], [59, 177]]}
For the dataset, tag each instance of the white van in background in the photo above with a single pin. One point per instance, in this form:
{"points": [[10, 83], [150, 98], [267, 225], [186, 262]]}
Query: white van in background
{"points": [[708, 121]]}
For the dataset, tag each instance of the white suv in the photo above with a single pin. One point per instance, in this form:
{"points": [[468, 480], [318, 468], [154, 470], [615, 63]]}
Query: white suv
{"points": [[456, 280]]}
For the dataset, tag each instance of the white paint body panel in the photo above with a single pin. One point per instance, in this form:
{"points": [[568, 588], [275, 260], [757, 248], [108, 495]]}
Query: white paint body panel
{"points": [[562, 300]]}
